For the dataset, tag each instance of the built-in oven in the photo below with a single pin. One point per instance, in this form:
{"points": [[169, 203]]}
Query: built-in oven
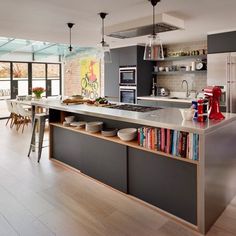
{"points": [[128, 76], [128, 94]]}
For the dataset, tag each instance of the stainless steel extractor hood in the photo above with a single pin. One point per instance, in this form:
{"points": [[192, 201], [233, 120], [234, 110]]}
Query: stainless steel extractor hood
{"points": [[143, 26]]}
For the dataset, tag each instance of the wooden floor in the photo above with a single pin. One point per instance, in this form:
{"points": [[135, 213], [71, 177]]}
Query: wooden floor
{"points": [[47, 199]]}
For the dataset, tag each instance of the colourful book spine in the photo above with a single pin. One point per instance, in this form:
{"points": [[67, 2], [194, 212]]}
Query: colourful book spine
{"points": [[178, 143], [149, 138], [168, 141], [187, 154], [174, 142], [159, 139], [144, 136], [162, 139], [141, 137], [171, 140], [155, 143], [183, 144], [153, 139], [139, 129]]}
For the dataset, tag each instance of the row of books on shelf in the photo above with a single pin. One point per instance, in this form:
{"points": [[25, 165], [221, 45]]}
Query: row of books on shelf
{"points": [[177, 143]]}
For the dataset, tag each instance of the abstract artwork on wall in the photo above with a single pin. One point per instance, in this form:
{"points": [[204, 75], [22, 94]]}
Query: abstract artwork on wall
{"points": [[90, 77]]}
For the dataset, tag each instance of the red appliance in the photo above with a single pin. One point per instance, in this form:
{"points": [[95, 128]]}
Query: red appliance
{"points": [[213, 93]]}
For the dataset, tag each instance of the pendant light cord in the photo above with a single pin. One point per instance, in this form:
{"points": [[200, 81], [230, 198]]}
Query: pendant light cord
{"points": [[103, 42], [153, 21], [70, 39]]}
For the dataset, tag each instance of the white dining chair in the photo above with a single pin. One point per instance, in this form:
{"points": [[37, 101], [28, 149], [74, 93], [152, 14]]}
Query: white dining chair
{"points": [[16, 119], [11, 111], [25, 116]]}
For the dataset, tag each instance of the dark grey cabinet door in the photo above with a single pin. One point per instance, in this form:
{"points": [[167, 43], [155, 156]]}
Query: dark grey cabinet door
{"points": [[222, 42], [100, 159], [168, 184], [128, 56], [111, 75]]}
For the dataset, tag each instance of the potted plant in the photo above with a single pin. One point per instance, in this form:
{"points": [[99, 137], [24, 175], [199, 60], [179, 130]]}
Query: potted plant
{"points": [[38, 91]]}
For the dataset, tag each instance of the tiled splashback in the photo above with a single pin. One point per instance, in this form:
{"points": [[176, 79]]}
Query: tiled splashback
{"points": [[173, 82]]}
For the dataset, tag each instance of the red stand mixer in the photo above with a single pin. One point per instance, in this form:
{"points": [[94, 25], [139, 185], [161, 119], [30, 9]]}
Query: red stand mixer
{"points": [[213, 93]]}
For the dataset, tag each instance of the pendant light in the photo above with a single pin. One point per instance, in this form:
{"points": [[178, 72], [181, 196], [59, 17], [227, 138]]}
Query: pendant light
{"points": [[153, 48], [70, 25], [104, 49]]}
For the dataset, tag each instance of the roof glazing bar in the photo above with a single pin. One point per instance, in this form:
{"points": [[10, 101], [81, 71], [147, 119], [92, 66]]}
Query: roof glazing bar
{"points": [[9, 41], [44, 48]]}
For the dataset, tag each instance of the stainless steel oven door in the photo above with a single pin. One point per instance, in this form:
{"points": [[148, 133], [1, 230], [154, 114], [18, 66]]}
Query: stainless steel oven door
{"points": [[128, 94], [127, 76]]}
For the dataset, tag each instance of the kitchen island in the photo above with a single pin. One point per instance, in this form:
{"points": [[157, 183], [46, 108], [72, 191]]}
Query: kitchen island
{"points": [[194, 192]]}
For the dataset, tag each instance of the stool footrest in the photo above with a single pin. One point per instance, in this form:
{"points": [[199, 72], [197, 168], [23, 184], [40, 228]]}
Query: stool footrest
{"points": [[41, 118]]}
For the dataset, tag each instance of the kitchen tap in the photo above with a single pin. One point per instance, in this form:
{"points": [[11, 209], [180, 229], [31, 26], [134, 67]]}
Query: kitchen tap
{"points": [[187, 91]]}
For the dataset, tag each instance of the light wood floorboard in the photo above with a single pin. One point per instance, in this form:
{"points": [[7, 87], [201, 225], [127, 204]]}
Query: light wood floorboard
{"points": [[48, 199]]}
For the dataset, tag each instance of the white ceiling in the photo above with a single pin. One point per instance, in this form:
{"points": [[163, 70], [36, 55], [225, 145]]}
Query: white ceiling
{"points": [[45, 20]]}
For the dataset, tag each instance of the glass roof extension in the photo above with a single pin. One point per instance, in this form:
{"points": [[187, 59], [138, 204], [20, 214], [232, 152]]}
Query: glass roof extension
{"points": [[37, 48]]}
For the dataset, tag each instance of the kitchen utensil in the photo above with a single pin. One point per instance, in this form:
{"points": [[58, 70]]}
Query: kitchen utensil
{"points": [[213, 93], [69, 119], [187, 114], [164, 92]]}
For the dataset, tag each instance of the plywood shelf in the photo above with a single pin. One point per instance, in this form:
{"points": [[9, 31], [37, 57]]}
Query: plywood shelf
{"points": [[180, 58], [133, 144]]}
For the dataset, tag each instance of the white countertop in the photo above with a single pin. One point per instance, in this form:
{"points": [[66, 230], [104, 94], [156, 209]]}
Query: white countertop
{"points": [[166, 118]]}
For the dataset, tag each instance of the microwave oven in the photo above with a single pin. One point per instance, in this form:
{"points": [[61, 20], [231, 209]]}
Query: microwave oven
{"points": [[127, 76]]}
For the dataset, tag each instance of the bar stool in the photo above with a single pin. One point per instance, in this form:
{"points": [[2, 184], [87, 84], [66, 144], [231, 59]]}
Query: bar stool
{"points": [[41, 120]]}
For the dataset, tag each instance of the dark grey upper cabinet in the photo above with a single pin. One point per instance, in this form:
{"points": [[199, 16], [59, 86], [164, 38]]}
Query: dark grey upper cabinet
{"points": [[223, 42], [111, 83], [128, 56], [144, 74]]}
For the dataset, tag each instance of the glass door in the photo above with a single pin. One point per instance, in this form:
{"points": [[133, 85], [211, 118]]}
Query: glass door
{"points": [[20, 79], [5, 87], [53, 79], [39, 76]]}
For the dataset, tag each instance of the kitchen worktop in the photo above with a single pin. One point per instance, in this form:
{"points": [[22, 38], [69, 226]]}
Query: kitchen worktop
{"points": [[167, 118]]}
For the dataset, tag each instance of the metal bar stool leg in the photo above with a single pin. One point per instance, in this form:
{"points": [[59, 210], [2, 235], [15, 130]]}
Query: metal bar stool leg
{"points": [[41, 135], [32, 142]]}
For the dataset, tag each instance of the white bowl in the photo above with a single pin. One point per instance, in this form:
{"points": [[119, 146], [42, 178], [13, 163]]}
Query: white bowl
{"points": [[161, 69], [127, 134], [69, 119], [187, 114], [94, 127]]}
